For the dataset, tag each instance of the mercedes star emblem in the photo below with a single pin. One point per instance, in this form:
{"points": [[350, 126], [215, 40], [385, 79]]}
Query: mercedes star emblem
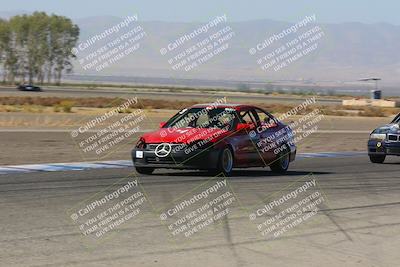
{"points": [[163, 150]]}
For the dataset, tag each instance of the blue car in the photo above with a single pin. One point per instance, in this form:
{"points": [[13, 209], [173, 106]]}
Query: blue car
{"points": [[29, 87], [385, 141]]}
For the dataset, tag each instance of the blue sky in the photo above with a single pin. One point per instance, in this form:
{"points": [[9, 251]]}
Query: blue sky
{"points": [[331, 11]]}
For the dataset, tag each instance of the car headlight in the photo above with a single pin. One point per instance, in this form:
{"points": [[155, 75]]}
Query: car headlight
{"points": [[379, 137], [141, 143]]}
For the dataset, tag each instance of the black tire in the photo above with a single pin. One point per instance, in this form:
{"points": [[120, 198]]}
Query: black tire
{"points": [[225, 162], [377, 158], [144, 170], [281, 164]]}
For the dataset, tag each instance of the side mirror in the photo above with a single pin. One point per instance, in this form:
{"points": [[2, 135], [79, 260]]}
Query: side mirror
{"points": [[162, 124], [270, 123]]}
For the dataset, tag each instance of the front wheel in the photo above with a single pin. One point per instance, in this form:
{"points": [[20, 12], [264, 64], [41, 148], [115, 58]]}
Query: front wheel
{"points": [[144, 170], [281, 164], [377, 158]]}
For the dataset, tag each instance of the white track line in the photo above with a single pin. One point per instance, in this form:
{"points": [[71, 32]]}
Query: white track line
{"points": [[117, 164]]}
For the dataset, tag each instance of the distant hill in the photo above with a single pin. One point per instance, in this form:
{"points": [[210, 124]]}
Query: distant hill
{"points": [[347, 52]]}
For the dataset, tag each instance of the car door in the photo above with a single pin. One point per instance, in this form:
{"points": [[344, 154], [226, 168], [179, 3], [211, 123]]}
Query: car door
{"points": [[245, 141], [269, 132]]}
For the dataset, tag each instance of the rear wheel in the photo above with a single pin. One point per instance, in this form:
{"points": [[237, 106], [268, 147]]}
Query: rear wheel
{"points": [[281, 164], [377, 158], [225, 162], [144, 170]]}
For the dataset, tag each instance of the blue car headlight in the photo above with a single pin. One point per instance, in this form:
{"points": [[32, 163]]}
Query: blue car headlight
{"points": [[377, 136]]}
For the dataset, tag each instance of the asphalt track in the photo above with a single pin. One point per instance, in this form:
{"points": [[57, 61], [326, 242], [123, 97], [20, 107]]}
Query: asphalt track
{"points": [[358, 225]]}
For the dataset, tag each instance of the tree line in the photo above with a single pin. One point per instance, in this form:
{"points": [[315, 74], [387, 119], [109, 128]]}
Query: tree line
{"points": [[36, 47]]}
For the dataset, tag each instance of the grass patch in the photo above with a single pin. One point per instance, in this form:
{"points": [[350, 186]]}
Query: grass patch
{"points": [[65, 106]]}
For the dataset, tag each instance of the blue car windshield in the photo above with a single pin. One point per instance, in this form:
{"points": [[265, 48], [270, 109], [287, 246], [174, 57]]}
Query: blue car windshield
{"points": [[396, 119]]}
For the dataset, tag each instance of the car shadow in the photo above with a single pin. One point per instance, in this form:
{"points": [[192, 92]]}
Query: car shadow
{"points": [[391, 163], [261, 173], [241, 173]]}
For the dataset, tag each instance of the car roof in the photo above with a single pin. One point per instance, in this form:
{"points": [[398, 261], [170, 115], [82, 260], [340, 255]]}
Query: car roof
{"points": [[234, 106]]}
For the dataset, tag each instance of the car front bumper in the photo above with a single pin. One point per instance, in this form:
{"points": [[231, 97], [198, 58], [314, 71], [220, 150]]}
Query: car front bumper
{"points": [[202, 159], [385, 148]]}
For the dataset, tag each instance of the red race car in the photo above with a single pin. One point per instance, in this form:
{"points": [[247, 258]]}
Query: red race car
{"points": [[217, 138]]}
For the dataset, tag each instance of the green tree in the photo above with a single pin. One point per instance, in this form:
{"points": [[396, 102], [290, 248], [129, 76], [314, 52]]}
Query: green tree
{"points": [[19, 26], [66, 39], [8, 54], [35, 46]]}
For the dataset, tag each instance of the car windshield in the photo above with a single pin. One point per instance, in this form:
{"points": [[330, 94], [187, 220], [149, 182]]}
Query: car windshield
{"points": [[221, 118], [396, 119]]}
